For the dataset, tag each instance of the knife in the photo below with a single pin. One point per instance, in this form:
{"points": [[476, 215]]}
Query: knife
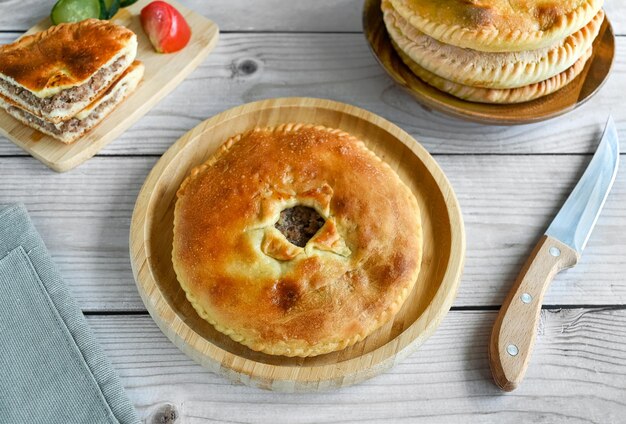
{"points": [[515, 329]]}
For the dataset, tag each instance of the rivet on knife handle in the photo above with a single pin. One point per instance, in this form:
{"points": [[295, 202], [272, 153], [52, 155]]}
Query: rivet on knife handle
{"points": [[515, 329]]}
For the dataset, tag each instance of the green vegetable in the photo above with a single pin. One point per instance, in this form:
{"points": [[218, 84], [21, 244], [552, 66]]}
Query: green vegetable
{"points": [[126, 3], [74, 10], [108, 8]]}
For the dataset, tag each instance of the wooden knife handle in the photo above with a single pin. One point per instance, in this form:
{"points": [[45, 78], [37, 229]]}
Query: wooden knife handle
{"points": [[515, 330]]}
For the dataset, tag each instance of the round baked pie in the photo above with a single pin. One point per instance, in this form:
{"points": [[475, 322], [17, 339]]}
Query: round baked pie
{"points": [[296, 240], [498, 95], [498, 25]]}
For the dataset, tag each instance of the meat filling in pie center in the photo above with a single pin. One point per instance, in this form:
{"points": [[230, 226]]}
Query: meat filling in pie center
{"points": [[299, 224]]}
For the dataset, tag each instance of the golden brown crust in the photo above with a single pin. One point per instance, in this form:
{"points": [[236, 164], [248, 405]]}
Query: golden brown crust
{"points": [[495, 95], [65, 55], [245, 278], [489, 70], [498, 25]]}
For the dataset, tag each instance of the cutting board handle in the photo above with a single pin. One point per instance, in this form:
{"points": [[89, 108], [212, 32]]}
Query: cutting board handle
{"points": [[515, 330]]}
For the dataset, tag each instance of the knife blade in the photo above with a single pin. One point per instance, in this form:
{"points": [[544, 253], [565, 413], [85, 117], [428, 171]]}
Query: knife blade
{"points": [[515, 329]]}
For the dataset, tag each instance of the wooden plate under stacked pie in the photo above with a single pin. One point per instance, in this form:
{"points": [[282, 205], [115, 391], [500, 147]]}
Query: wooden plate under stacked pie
{"points": [[297, 244]]}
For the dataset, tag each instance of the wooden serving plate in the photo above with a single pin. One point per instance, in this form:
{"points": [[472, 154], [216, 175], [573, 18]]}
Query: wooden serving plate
{"points": [[562, 101], [444, 250], [163, 72]]}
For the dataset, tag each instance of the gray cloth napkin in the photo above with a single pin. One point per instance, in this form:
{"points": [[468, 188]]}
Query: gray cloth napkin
{"points": [[51, 368]]}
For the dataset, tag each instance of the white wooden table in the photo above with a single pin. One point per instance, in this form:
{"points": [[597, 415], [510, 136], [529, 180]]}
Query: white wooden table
{"points": [[510, 182]]}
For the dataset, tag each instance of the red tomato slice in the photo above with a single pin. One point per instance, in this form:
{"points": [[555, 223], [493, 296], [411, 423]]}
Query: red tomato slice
{"points": [[165, 26]]}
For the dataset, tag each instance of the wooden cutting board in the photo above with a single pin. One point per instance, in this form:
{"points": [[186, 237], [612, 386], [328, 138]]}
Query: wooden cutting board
{"points": [[151, 236], [163, 72]]}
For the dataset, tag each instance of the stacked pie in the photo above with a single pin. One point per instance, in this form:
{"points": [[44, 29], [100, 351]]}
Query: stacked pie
{"points": [[65, 80], [496, 51]]}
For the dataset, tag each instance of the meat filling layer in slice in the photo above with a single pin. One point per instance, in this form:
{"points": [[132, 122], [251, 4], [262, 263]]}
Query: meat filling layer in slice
{"points": [[73, 125], [66, 98]]}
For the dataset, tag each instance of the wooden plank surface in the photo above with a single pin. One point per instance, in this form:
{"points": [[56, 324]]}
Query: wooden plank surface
{"points": [[248, 67], [231, 15], [510, 182], [252, 15], [577, 375], [84, 218]]}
